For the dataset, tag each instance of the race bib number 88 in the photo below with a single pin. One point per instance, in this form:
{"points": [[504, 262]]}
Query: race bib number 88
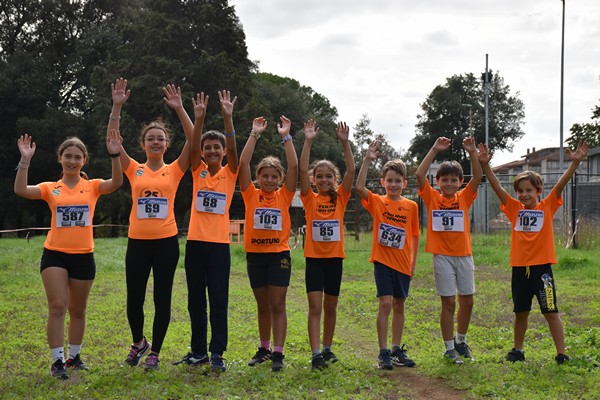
{"points": [[529, 221], [152, 207], [391, 236], [69, 216]]}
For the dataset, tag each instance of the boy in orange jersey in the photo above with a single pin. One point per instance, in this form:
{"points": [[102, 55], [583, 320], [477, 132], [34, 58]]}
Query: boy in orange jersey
{"points": [[532, 251], [393, 253], [448, 238]]}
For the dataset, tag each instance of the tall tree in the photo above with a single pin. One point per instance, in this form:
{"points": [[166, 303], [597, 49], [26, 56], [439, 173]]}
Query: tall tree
{"points": [[590, 131], [456, 110]]}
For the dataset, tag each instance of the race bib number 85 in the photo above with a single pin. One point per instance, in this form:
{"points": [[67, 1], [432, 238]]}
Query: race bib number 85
{"points": [[152, 207], [391, 236], [529, 221], [326, 231], [267, 219], [69, 216]]}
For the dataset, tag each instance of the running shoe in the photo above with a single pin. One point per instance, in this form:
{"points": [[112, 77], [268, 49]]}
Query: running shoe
{"points": [[329, 356], [77, 364], [152, 362], [217, 363], [452, 355], [515, 355], [260, 357], [136, 354], [193, 359], [384, 361], [464, 350], [58, 370], [562, 358], [400, 359], [318, 362], [277, 363]]}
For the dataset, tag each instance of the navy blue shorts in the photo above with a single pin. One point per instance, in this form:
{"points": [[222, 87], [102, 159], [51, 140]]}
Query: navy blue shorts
{"points": [[269, 269], [390, 282], [78, 266], [323, 275], [537, 281]]}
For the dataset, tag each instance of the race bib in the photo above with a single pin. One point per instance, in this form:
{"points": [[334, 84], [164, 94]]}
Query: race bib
{"points": [[448, 220], [152, 207], [267, 219], [70, 216], [391, 236], [211, 202], [326, 231], [529, 221]]}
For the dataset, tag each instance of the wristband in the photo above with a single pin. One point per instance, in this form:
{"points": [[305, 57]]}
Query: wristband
{"points": [[230, 134], [114, 155], [255, 134], [25, 163], [286, 138], [114, 117]]}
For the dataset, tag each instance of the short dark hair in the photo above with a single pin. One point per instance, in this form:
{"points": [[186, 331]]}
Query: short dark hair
{"points": [[213, 135], [397, 166], [531, 176], [449, 168]]}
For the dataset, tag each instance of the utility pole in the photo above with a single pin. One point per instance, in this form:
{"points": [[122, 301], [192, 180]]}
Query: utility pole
{"points": [[487, 77]]}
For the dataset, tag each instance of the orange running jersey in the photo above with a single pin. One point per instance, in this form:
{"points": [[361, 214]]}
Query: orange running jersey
{"points": [[267, 226], [395, 223], [448, 226], [532, 235], [72, 214], [325, 224], [211, 198], [153, 194]]}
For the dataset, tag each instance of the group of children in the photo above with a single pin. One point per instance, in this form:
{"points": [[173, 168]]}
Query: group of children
{"points": [[68, 267]]}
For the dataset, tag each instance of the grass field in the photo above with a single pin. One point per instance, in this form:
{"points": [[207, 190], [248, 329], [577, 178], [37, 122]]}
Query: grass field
{"points": [[25, 355]]}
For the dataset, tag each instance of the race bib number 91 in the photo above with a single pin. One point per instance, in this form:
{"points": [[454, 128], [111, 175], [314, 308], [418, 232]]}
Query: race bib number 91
{"points": [[152, 207], [448, 220], [211, 202], [391, 236], [326, 231], [267, 219], [529, 221], [69, 216]]}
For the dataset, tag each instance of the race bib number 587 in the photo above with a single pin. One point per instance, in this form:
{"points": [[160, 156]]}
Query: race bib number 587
{"points": [[69, 216]]}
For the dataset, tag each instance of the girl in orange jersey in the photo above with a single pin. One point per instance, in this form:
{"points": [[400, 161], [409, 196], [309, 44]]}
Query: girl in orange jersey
{"points": [[153, 243], [324, 248], [67, 265], [532, 251], [266, 235]]}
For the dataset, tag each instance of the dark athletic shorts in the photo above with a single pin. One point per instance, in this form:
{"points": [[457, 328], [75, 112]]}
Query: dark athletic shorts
{"points": [[79, 266], [269, 269], [323, 275], [537, 281], [390, 282]]}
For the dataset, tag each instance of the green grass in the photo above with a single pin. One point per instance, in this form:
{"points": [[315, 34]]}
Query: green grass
{"points": [[25, 354]]}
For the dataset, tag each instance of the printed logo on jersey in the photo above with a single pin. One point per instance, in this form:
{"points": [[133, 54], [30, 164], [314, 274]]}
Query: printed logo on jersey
{"points": [[139, 172], [56, 192], [204, 173]]}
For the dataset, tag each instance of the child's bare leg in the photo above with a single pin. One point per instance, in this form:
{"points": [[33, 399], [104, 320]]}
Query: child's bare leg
{"points": [[383, 314], [557, 331], [520, 327], [447, 317], [397, 321], [463, 316]]}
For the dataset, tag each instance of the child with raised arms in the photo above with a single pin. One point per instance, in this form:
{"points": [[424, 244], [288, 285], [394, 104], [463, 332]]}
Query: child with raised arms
{"points": [[67, 266], [266, 236], [324, 246], [532, 250], [393, 252], [449, 240]]}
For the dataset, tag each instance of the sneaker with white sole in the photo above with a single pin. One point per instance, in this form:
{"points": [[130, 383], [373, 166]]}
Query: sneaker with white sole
{"points": [[464, 350], [193, 359], [400, 359], [452, 355], [152, 362], [217, 363], [58, 370], [77, 364], [136, 354], [384, 361], [260, 357]]}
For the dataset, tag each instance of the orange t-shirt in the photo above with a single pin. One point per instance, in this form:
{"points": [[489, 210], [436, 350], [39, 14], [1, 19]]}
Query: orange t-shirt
{"points": [[395, 223], [72, 214], [448, 226], [211, 198], [532, 236], [153, 194], [267, 226], [325, 224]]}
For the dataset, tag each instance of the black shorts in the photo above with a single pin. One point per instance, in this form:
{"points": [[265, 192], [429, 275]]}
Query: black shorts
{"points": [[78, 266], [537, 281], [390, 282], [323, 275], [269, 269]]}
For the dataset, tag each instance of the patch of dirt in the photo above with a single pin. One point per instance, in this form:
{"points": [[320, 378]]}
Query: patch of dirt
{"points": [[417, 386]]}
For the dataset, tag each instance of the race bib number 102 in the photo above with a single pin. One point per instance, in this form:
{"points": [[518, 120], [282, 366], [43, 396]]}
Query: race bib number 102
{"points": [[529, 221]]}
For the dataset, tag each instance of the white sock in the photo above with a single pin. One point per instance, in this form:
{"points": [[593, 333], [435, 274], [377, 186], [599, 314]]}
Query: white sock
{"points": [[461, 337], [74, 349], [58, 353], [449, 344]]}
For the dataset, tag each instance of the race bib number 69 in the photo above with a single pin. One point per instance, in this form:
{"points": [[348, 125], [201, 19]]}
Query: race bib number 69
{"points": [[391, 236], [152, 207]]}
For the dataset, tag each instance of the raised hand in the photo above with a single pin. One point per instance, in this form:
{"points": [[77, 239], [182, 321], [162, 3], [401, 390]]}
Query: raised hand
{"points": [[284, 127], [469, 144], [372, 153], [26, 147], [226, 103], [483, 154], [200, 104], [119, 90], [259, 125], [441, 144], [580, 153], [309, 129], [113, 141], [342, 131], [173, 96]]}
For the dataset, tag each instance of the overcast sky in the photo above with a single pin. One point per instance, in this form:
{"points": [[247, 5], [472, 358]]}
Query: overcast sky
{"points": [[383, 57]]}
